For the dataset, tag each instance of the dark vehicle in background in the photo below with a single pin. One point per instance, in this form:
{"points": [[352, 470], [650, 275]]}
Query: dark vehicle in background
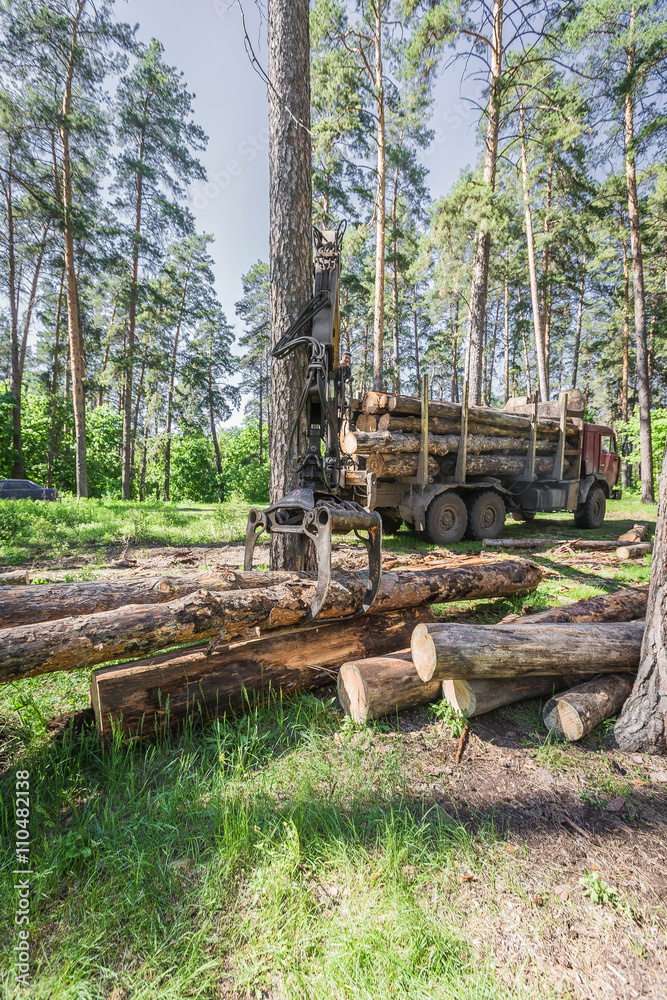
{"points": [[25, 489]]}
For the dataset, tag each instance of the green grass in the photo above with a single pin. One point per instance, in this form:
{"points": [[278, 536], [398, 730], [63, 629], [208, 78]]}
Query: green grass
{"points": [[257, 854], [33, 529], [279, 854]]}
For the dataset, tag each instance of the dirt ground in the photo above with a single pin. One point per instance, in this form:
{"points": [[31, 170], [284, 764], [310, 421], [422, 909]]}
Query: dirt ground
{"points": [[566, 811]]}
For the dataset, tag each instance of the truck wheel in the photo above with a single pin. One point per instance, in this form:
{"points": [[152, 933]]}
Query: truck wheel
{"points": [[590, 513], [446, 518], [486, 516], [390, 525]]}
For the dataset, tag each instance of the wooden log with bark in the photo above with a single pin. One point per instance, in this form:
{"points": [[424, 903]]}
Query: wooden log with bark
{"points": [[374, 402], [479, 695], [634, 551], [139, 630], [580, 544], [360, 442], [547, 435], [638, 533], [574, 713], [643, 721], [49, 602], [14, 578], [456, 651], [159, 692], [382, 685], [395, 466], [512, 423], [624, 605]]}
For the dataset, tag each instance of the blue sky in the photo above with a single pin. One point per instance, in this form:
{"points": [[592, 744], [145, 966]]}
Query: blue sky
{"points": [[204, 39]]}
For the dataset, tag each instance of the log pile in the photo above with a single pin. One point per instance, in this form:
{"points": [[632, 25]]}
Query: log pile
{"points": [[386, 435], [237, 635], [487, 667]]}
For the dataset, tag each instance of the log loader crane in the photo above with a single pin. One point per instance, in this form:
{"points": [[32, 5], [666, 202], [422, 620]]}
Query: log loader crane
{"points": [[316, 509]]}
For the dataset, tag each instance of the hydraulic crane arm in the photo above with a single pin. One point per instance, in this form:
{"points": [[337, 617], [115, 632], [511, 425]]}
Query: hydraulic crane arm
{"points": [[315, 510]]}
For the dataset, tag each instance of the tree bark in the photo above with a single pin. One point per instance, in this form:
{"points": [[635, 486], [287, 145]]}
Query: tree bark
{"points": [[621, 606], [140, 630], [13, 578], [643, 381], [476, 697], [394, 466], [577, 335], [50, 602], [382, 685], [155, 694], [172, 379], [480, 271], [76, 349], [289, 233], [396, 443], [634, 551], [380, 228], [594, 545], [643, 722], [532, 272], [575, 713], [454, 651]]}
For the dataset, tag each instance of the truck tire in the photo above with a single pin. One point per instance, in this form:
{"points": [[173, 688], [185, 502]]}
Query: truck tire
{"points": [[590, 513], [390, 525], [486, 516], [446, 518]]}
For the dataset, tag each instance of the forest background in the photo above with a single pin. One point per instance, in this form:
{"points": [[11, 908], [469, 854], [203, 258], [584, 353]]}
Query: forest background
{"points": [[543, 267]]}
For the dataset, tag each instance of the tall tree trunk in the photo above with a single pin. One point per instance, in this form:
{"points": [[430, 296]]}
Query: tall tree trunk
{"points": [[214, 433], [396, 378], [415, 319], [455, 358], [643, 721], [378, 310], [126, 474], [290, 231], [577, 334], [507, 325], [33, 296], [172, 379], [526, 361], [76, 351], [643, 383], [492, 355], [532, 271], [545, 311], [15, 379], [55, 424], [480, 269]]}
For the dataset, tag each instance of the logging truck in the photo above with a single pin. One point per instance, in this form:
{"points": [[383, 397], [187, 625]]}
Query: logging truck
{"points": [[452, 470]]}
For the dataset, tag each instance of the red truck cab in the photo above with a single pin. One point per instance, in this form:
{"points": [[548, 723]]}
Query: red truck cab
{"points": [[599, 454]]}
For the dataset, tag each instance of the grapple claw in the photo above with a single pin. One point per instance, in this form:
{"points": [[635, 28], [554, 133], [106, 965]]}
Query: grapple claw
{"points": [[317, 522]]}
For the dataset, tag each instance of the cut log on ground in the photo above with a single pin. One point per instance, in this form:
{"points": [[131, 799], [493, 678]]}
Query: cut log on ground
{"points": [[161, 691], [382, 685], [139, 630], [14, 578], [456, 651], [580, 544], [575, 713], [634, 551], [624, 605], [49, 602], [391, 466], [477, 696], [638, 533]]}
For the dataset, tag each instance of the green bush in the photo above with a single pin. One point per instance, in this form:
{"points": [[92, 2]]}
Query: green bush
{"points": [[658, 434]]}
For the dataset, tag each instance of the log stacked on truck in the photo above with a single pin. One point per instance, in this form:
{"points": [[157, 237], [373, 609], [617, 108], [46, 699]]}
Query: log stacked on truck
{"points": [[386, 437]]}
